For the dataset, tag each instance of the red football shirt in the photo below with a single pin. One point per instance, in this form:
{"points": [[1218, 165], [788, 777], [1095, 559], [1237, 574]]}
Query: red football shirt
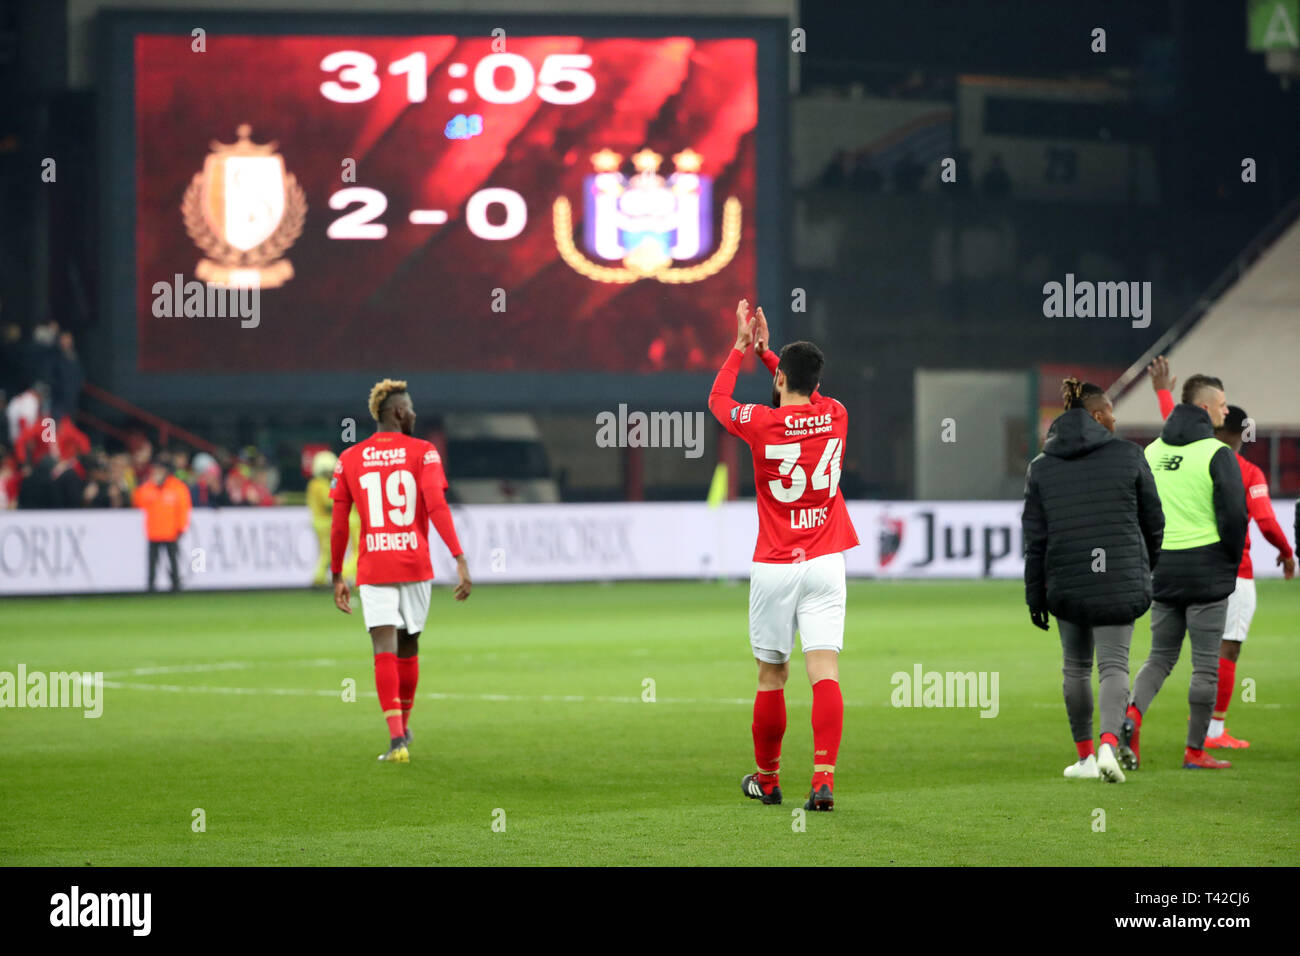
{"points": [[1260, 507], [393, 480], [797, 452]]}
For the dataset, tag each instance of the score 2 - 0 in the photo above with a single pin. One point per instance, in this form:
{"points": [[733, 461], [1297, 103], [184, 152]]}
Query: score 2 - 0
{"points": [[360, 222]]}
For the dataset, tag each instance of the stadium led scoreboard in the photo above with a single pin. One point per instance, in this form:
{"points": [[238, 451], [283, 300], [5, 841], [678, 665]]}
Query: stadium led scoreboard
{"points": [[523, 210]]}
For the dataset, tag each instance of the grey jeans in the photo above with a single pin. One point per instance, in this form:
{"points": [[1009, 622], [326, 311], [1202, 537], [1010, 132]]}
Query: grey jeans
{"points": [[1078, 642], [1169, 622]]}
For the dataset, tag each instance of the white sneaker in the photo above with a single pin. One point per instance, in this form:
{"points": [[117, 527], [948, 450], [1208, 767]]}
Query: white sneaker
{"points": [[1085, 769], [1108, 765]]}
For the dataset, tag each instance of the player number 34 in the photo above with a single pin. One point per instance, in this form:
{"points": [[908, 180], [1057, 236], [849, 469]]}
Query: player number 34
{"points": [[825, 475]]}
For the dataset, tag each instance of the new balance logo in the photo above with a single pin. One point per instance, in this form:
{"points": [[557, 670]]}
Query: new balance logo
{"points": [[1170, 462]]}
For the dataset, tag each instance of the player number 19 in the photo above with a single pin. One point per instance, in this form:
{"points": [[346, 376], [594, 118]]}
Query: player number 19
{"points": [[825, 475], [400, 489]]}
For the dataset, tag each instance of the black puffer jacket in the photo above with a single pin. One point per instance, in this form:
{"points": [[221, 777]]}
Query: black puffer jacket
{"points": [[1090, 490], [1207, 573]]}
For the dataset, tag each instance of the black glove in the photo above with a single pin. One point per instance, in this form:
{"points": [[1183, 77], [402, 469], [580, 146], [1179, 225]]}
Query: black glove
{"points": [[1039, 618]]}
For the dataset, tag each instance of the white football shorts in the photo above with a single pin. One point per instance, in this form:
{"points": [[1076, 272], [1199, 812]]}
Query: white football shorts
{"points": [[1241, 610], [807, 597], [404, 605]]}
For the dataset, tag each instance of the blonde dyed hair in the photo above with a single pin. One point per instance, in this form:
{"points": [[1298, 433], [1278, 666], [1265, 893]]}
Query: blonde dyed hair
{"points": [[1077, 394], [381, 392]]}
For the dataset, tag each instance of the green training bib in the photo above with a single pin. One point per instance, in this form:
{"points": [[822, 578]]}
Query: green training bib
{"points": [[1182, 474]]}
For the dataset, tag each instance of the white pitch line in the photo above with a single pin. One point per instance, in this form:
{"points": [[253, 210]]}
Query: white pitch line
{"points": [[506, 698], [115, 684], [520, 698], [218, 666], [202, 689]]}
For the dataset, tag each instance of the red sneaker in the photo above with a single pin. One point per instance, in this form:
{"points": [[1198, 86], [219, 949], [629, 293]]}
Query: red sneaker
{"points": [[1226, 741], [1200, 760]]}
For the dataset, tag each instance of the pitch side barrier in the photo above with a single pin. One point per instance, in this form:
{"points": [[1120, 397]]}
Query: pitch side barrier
{"points": [[91, 551]]}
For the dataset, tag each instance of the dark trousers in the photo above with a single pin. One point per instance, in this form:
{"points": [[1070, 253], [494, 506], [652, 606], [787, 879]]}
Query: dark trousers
{"points": [[1203, 624], [170, 547], [1110, 643]]}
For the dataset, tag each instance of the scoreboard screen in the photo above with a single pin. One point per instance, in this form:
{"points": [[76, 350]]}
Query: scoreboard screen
{"points": [[511, 205]]}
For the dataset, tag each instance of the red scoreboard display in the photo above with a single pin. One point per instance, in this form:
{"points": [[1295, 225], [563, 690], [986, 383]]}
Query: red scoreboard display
{"points": [[512, 202]]}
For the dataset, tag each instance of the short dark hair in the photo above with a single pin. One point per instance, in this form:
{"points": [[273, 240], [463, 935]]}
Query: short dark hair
{"points": [[802, 363], [1193, 387], [1234, 423], [1077, 394]]}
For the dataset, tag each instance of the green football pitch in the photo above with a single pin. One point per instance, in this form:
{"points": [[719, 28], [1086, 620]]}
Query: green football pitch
{"points": [[226, 738]]}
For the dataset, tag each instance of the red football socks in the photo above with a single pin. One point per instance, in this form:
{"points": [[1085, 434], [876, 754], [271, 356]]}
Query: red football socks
{"points": [[828, 728], [408, 675], [1108, 739], [768, 729], [1227, 682], [1085, 748], [386, 683]]}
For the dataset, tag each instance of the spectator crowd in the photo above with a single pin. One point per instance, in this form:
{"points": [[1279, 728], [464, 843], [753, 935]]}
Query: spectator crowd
{"points": [[48, 461]]}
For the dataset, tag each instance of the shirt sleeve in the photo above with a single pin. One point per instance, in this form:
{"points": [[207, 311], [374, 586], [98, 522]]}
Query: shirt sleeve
{"points": [[339, 490], [1260, 507], [725, 408], [1033, 523], [1151, 514], [433, 486], [432, 477], [339, 534], [1166, 400]]}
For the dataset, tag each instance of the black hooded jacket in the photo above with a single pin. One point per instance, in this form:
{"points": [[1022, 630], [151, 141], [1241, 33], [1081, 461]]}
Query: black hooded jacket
{"points": [[1087, 491], [1208, 573]]}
